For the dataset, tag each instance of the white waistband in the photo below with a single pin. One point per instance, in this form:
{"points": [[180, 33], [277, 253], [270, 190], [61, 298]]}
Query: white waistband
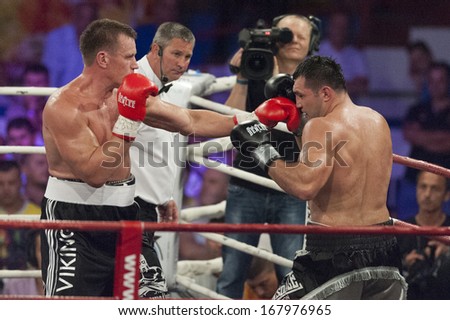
{"points": [[82, 193], [318, 223]]}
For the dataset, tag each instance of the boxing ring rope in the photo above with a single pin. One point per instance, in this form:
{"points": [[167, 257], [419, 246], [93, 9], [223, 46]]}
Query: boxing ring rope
{"points": [[197, 154], [27, 91], [439, 233], [220, 84]]}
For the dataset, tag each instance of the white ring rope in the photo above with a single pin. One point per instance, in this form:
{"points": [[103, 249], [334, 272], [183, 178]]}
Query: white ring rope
{"points": [[220, 84], [224, 109], [216, 165], [20, 273], [210, 212], [22, 149], [254, 251], [26, 91], [199, 267], [214, 106], [16, 217], [210, 146]]}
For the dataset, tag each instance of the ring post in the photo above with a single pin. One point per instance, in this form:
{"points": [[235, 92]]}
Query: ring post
{"points": [[127, 273]]}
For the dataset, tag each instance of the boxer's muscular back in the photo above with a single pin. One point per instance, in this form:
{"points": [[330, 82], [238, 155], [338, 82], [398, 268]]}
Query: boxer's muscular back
{"points": [[356, 191]]}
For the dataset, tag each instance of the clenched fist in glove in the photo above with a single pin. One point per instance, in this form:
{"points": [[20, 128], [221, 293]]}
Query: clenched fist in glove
{"points": [[251, 139], [280, 109], [131, 98], [280, 85]]}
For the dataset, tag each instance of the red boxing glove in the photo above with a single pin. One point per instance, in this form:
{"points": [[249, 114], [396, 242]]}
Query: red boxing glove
{"points": [[274, 110], [131, 98]]}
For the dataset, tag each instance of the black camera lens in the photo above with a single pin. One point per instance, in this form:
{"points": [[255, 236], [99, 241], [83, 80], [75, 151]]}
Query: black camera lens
{"points": [[257, 64], [259, 48]]}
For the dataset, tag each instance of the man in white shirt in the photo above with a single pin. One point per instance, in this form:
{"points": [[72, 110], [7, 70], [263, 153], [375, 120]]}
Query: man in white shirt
{"points": [[157, 154]]}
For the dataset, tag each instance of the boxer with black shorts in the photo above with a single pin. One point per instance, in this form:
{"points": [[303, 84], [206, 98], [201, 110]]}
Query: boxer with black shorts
{"points": [[334, 267], [87, 136], [344, 172], [82, 263], [88, 129]]}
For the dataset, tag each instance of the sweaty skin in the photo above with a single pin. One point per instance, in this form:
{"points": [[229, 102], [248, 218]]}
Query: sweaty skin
{"points": [[346, 160], [78, 120]]}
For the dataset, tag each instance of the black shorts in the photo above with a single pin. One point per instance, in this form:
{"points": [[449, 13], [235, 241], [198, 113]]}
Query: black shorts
{"points": [[76, 263], [82, 263], [153, 282], [331, 263]]}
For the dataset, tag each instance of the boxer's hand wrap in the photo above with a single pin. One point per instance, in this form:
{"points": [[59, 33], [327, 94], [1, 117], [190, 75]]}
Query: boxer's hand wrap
{"points": [[251, 139], [244, 117], [131, 97]]}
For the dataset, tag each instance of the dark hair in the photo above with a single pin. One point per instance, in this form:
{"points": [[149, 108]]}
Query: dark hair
{"points": [[36, 68], [441, 65], [419, 45], [102, 35], [447, 180], [21, 123], [258, 266], [321, 71], [7, 165]]}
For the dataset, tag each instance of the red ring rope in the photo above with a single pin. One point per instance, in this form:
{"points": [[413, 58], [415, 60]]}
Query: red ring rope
{"points": [[223, 227], [421, 165]]}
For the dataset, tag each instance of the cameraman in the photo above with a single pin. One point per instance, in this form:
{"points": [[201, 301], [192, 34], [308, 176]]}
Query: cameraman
{"points": [[252, 203], [426, 263]]}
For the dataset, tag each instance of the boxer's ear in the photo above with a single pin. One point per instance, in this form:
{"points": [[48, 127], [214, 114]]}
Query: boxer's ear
{"points": [[102, 59]]}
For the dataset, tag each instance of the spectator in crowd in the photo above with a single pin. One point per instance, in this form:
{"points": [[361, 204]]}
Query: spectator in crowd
{"points": [[35, 170], [420, 60], [12, 201], [61, 47], [20, 132], [426, 128], [210, 187], [249, 202], [15, 243], [352, 60], [262, 282], [30, 106], [213, 191], [426, 262], [5, 101]]}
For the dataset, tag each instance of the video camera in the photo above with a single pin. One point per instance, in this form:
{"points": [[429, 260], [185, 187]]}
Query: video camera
{"points": [[259, 48]]}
